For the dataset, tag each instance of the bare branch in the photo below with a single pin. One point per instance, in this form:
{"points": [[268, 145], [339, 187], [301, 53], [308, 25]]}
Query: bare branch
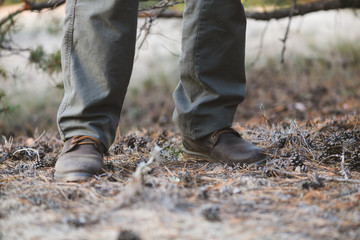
{"points": [[167, 13], [302, 9], [11, 16], [35, 6], [293, 7], [152, 14], [7, 22], [161, 10]]}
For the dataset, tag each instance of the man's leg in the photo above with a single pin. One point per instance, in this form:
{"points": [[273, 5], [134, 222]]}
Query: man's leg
{"points": [[212, 80], [97, 59]]}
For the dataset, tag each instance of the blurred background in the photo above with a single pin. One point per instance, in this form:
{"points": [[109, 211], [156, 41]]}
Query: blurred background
{"points": [[317, 77]]}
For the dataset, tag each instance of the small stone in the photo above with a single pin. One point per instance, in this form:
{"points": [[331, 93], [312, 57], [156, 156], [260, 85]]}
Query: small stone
{"points": [[128, 235], [211, 214]]}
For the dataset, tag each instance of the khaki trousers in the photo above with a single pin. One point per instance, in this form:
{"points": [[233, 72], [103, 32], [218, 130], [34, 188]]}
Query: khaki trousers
{"points": [[97, 58]]}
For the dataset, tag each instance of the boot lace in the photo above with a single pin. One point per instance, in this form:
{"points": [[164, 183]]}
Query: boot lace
{"points": [[82, 140]]}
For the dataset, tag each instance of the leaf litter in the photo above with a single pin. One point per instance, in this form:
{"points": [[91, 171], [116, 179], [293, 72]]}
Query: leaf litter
{"points": [[308, 189]]}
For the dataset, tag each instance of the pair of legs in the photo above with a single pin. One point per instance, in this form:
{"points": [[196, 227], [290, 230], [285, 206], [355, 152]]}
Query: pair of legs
{"points": [[97, 59]]}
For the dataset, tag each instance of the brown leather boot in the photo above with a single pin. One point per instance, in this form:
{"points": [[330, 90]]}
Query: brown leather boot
{"points": [[225, 146], [80, 159]]}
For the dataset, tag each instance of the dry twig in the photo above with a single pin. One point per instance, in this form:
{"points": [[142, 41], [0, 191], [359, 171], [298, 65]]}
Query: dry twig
{"points": [[292, 10]]}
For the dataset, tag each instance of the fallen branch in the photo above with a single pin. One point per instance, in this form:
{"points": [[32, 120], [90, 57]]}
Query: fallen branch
{"points": [[334, 179], [278, 172], [302, 175]]}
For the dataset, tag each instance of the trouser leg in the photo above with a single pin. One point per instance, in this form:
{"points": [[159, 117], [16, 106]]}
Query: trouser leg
{"points": [[211, 66], [97, 59]]}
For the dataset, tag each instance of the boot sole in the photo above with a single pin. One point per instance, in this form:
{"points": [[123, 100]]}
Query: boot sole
{"points": [[197, 156], [72, 177]]}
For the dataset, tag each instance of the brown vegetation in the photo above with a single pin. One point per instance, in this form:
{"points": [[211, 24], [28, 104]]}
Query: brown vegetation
{"points": [[308, 189]]}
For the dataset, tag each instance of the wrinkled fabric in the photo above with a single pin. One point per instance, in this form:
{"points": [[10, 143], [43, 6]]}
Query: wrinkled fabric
{"points": [[97, 59], [211, 66]]}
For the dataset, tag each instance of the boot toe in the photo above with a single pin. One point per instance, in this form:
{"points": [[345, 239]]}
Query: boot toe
{"points": [[77, 168], [79, 161]]}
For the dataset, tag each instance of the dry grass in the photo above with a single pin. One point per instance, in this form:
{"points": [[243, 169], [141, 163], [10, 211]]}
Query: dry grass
{"points": [[149, 192]]}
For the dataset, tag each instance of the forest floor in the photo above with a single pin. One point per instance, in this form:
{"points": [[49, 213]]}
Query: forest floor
{"points": [[308, 189]]}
